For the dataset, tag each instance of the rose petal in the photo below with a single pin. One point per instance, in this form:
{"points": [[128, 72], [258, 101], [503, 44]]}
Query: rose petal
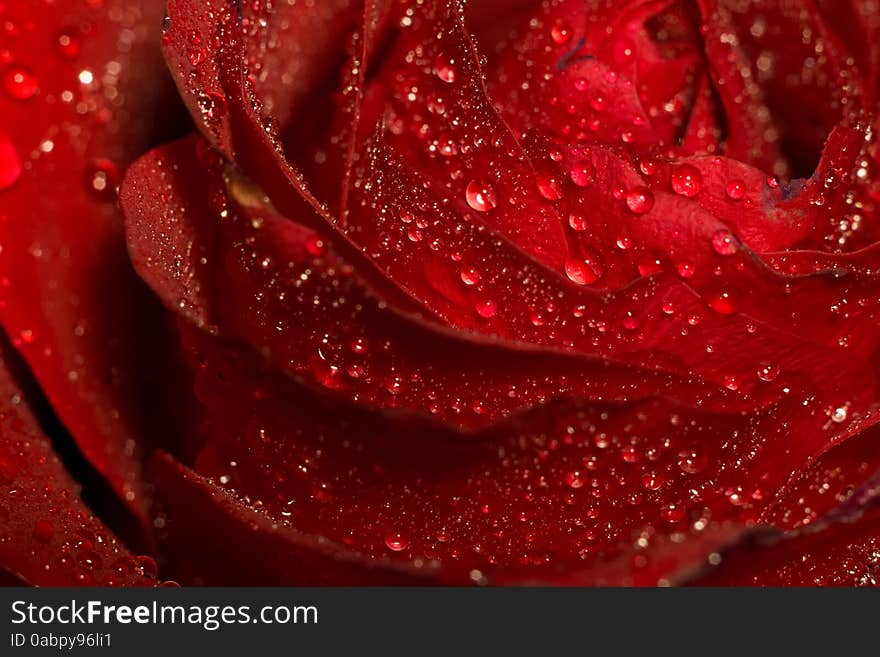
{"points": [[90, 96], [48, 537], [233, 266]]}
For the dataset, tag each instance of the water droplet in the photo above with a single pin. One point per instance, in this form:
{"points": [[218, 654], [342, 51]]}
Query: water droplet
{"points": [[839, 414], [480, 197], [549, 186], [197, 56], [10, 164], [147, 566], [582, 175], [577, 222], [470, 276], [582, 271], [575, 479], [722, 303], [640, 200], [735, 189], [43, 531], [768, 372], [653, 480], [20, 83], [561, 34], [687, 180], [486, 309], [724, 243], [444, 68], [692, 461], [672, 512], [685, 269], [396, 542]]}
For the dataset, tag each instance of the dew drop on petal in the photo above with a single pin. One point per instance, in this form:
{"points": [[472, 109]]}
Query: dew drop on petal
{"points": [[724, 243], [692, 461], [396, 542], [687, 180], [444, 68], [768, 372], [582, 175], [560, 33], [640, 200], [582, 271], [470, 276], [735, 189], [486, 309], [574, 479], [549, 187], [43, 531], [685, 269], [653, 481], [722, 304], [578, 222], [480, 197]]}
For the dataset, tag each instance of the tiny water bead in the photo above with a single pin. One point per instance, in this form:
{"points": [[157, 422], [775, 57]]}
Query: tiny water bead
{"points": [[481, 197], [640, 200], [20, 84], [687, 180], [724, 243]]}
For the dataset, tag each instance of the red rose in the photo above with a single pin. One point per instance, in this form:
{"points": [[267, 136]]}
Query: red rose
{"points": [[569, 292]]}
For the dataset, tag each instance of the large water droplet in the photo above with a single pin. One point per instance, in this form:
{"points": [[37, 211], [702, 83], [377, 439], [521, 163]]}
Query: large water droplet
{"points": [[582, 271], [560, 33], [640, 200], [480, 197], [724, 243], [549, 186], [735, 189], [582, 174], [43, 531], [396, 542], [444, 68], [687, 180]]}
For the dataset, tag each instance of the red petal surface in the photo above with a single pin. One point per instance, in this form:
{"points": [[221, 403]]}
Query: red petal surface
{"points": [[491, 325], [48, 537], [83, 91]]}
